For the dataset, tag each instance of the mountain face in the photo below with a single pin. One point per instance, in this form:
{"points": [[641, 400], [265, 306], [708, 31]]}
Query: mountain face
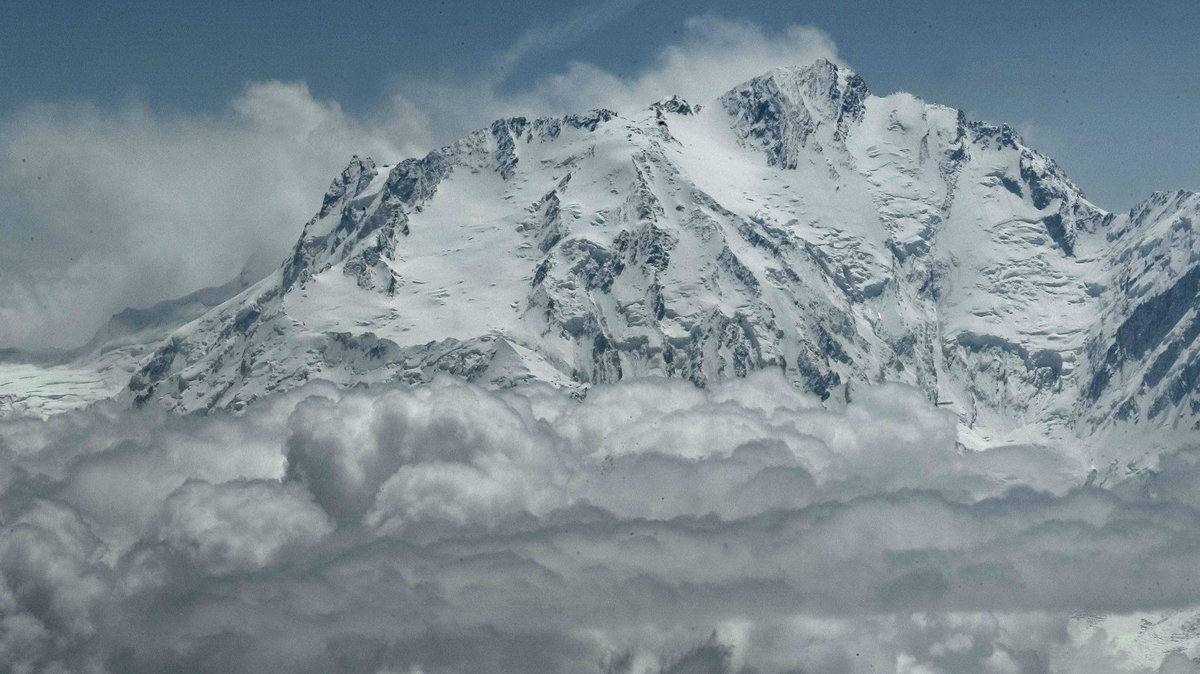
{"points": [[798, 222]]}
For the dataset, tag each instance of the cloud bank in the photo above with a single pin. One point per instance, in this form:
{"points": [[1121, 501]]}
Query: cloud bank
{"points": [[653, 527], [104, 209]]}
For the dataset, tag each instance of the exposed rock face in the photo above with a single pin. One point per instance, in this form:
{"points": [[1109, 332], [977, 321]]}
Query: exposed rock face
{"points": [[796, 223], [1144, 354]]}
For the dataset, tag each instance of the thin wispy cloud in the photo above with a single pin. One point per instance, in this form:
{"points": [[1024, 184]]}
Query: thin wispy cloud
{"points": [[579, 24]]}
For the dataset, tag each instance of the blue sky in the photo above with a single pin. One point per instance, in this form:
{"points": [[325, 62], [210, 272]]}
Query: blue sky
{"points": [[1108, 88], [147, 149]]}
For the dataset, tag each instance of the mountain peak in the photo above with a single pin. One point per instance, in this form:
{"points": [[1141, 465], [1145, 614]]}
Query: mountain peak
{"points": [[676, 105], [817, 82], [786, 108], [822, 70], [359, 171]]}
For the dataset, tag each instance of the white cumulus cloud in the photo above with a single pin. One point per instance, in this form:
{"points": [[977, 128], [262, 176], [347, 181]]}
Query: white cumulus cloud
{"points": [[652, 527]]}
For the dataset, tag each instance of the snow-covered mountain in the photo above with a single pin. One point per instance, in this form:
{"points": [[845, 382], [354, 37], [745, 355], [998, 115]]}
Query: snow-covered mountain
{"points": [[797, 222]]}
